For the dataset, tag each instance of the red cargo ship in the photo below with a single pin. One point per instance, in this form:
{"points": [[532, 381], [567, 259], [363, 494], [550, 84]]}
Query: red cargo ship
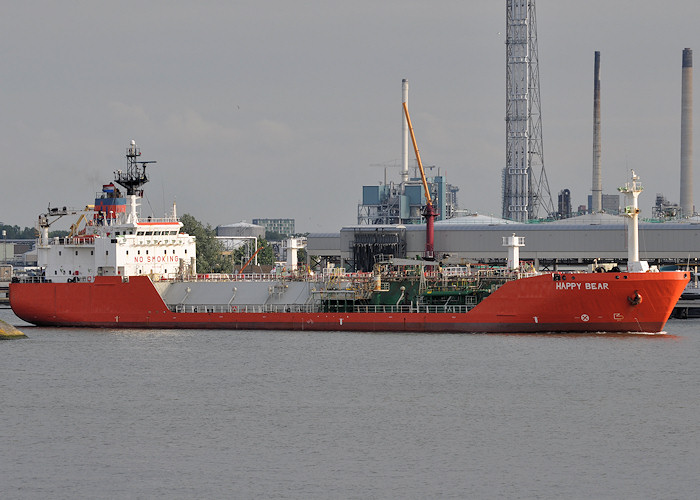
{"points": [[118, 271], [559, 302]]}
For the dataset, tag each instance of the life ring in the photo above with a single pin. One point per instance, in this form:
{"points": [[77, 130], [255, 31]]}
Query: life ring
{"points": [[636, 300]]}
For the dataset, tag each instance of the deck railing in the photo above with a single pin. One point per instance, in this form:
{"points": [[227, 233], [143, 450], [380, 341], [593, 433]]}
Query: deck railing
{"points": [[317, 308]]}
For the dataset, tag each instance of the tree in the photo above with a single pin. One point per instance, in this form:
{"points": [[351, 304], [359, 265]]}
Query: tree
{"points": [[15, 233], [210, 258], [266, 256], [275, 236]]}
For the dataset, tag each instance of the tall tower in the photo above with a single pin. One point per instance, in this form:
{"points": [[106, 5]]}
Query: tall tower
{"points": [[597, 189], [687, 134], [404, 134], [525, 185]]}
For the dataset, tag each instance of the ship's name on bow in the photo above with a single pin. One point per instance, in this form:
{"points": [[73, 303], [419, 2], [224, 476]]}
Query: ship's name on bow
{"points": [[573, 285]]}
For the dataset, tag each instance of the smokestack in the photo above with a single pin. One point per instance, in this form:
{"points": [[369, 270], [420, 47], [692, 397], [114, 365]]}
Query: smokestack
{"points": [[687, 207], [597, 189], [404, 153]]}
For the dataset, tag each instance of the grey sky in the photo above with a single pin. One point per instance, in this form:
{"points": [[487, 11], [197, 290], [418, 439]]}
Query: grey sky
{"points": [[279, 108]]}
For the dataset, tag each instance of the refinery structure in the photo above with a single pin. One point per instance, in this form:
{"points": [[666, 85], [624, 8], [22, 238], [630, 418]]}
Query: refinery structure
{"points": [[402, 202], [525, 185], [584, 234]]}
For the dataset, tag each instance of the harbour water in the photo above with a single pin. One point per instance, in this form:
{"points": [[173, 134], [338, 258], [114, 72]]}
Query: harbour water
{"points": [[90, 413]]}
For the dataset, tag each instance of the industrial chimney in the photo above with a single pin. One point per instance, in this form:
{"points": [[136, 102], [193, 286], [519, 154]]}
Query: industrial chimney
{"points": [[687, 208], [404, 151], [597, 189]]}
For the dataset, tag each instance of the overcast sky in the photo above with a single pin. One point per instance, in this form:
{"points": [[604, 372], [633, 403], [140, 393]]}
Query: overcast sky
{"points": [[284, 108]]}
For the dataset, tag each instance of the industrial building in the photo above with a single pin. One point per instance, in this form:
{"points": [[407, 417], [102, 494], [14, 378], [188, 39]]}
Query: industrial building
{"points": [[401, 202], [579, 240], [281, 226]]}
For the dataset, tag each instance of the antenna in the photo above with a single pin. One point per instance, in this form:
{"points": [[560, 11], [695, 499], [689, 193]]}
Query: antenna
{"points": [[135, 175]]}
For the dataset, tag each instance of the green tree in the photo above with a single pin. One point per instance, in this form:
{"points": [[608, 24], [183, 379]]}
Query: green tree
{"points": [[210, 258], [266, 256], [15, 233], [275, 236]]}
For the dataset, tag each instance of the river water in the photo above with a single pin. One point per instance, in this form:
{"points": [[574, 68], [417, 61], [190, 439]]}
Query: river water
{"points": [[99, 413]]}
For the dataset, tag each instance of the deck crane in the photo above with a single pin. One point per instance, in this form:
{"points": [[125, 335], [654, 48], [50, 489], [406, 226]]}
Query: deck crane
{"points": [[428, 211]]}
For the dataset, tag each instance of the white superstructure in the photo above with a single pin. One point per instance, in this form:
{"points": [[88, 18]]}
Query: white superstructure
{"points": [[110, 239]]}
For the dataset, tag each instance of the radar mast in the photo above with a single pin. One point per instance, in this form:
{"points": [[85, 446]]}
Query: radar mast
{"points": [[135, 175]]}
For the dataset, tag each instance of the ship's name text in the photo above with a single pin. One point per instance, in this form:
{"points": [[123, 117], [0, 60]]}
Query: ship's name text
{"points": [[571, 285]]}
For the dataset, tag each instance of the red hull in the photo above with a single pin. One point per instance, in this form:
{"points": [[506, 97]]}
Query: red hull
{"points": [[587, 302]]}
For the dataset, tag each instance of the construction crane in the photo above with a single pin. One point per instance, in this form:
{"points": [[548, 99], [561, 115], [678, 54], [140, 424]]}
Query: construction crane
{"points": [[428, 211]]}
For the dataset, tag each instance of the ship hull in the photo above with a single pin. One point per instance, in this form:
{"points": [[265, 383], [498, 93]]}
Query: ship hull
{"points": [[559, 302]]}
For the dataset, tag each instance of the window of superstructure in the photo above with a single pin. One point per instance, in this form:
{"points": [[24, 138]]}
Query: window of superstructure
{"points": [[140, 233], [157, 233], [149, 233]]}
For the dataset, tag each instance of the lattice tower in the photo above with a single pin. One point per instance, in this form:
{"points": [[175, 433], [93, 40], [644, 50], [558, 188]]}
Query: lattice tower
{"points": [[525, 184]]}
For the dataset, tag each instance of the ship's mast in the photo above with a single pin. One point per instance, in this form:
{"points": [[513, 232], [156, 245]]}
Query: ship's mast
{"points": [[631, 190], [134, 177]]}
